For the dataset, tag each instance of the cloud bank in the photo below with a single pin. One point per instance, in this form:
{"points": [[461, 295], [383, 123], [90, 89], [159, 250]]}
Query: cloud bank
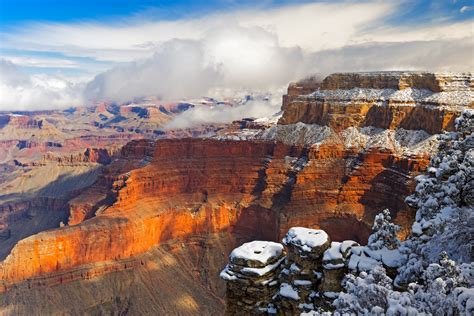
{"points": [[230, 58], [201, 115], [21, 91], [221, 53]]}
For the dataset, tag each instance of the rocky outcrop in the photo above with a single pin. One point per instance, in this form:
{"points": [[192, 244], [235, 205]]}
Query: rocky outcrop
{"points": [[335, 263], [252, 276], [306, 278], [29, 144], [302, 87], [88, 155], [435, 82], [301, 271], [386, 100]]}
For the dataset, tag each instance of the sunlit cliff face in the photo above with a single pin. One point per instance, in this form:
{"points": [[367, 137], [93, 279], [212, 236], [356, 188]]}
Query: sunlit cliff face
{"points": [[196, 187]]}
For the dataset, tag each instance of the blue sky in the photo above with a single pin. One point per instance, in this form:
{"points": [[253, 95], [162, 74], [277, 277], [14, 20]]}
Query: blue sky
{"points": [[64, 51], [14, 12], [19, 11]]}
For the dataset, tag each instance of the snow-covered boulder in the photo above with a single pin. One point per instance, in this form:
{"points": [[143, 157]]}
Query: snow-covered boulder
{"points": [[256, 254], [305, 244], [335, 260], [252, 276]]}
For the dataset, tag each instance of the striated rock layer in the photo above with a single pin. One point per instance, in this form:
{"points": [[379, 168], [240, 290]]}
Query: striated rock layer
{"points": [[424, 101], [196, 187]]}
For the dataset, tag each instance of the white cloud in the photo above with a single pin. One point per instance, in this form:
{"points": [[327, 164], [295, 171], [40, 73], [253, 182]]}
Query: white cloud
{"points": [[27, 61], [21, 91], [312, 26], [436, 55], [410, 33], [203, 114], [466, 8], [231, 57], [224, 52]]}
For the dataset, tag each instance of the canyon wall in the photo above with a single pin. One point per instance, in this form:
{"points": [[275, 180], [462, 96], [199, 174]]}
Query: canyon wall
{"points": [[410, 101], [344, 149], [195, 187]]}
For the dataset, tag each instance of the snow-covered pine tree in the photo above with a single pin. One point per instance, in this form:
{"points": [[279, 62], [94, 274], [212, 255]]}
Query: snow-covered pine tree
{"points": [[384, 232], [428, 281], [445, 204], [365, 294]]}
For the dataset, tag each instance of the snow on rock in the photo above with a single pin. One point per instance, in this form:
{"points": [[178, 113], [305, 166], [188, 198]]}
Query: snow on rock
{"points": [[299, 133], [306, 239], [346, 247], [315, 313], [302, 282], [256, 254], [364, 138], [253, 268], [362, 263], [288, 291], [400, 140], [333, 253], [333, 258], [408, 96], [335, 265], [264, 270], [273, 119], [391, 258], [336, 256]]}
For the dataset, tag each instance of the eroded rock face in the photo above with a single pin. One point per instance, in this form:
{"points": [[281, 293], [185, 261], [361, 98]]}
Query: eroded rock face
{"points": [[193, 187], [435, 82], [21, 121], [387, 100], [252, 276]]}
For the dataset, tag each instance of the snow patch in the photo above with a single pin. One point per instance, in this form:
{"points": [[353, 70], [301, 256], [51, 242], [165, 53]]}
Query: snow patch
{"points": [[288, 291], [260, 251], [306, 238]]}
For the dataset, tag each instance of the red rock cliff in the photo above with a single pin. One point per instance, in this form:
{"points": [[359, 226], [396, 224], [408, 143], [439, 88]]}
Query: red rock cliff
{"points": [[193, 186], [424, 101]]}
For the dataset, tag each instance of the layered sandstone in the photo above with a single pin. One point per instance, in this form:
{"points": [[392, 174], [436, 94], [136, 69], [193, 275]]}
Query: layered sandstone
{"points": [[424, 101], [21, 121], [252, 276], [192, 187], [435, 82]]}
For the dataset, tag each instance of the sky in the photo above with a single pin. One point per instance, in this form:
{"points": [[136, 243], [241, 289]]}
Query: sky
{"points": [[57, 54]]}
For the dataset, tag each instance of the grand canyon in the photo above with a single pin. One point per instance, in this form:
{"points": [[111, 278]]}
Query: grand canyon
{"points": [[143, 222], [290, 157]]}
